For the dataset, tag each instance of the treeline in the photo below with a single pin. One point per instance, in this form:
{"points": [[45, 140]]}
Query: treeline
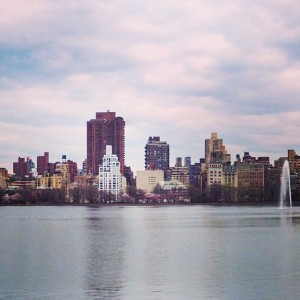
{"points": [[32, 196], [90, 194], [217, 193]]}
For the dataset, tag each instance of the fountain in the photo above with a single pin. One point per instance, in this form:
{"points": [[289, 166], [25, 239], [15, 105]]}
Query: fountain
{"points": [[285, 186]]}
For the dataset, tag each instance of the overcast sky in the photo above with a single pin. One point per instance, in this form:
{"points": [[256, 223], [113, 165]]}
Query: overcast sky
{"points": [[175, 69]]}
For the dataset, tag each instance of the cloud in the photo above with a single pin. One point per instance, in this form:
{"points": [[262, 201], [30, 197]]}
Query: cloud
{"points": [[180, 70]]}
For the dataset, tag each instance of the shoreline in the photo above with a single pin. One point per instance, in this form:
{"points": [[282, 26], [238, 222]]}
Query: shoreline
{"points": [[257, 204]]}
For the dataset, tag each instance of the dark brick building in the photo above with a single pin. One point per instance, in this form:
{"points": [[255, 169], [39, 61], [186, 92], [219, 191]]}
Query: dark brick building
{"points": [[42, 163], [20, 168]]}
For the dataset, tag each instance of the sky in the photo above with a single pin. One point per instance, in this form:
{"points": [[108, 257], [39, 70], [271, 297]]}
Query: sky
{"points": [[175, 69]]}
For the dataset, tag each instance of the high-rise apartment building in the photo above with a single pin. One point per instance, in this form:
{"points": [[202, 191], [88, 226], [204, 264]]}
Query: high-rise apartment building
{"points": [[187, 161], [194, 173], [250, 174], [42, 163], [109, 173], [106, 129], [215, 151], [20, 168], [157, 154]]}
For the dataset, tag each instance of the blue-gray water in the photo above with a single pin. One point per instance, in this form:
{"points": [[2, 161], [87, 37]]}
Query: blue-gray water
{"points": [[182, 252]]}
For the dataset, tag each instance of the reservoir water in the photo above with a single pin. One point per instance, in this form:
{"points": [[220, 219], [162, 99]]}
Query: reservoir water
{"points": [[171, 252]]}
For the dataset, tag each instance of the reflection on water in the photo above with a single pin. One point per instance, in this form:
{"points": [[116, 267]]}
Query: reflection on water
{"points": [[190, 252], [105, 254]]}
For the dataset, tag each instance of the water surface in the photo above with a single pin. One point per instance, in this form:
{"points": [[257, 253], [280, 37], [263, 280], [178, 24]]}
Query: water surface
{"points": [[172, 252]]}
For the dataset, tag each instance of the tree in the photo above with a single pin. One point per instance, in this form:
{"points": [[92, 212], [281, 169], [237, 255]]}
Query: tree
{"points": [[25, 194], [91, 194], [131, 191], [125, 198], [158, 189], [140, 194], [195, 194], [107, 197], [230, 194], [250, 194], [76, 194], [16, 199], [214, 192], [2, 194]]}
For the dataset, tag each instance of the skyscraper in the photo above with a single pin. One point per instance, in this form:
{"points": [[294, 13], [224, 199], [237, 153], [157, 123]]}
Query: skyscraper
{"points": [[106, 129], [157, 154], [215, 151]]}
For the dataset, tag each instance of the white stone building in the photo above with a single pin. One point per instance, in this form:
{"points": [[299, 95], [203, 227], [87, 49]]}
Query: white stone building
{"points": [[110, 174]]}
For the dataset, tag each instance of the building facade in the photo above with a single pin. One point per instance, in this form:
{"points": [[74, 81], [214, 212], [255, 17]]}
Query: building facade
{"points": [[42, 163], [251, 177], [106, 129], [157, 154], [147, 180], [3, 177], [229, 176], [294, 162], [214, 173], [215, 151], [179, 173], [71, 168], [128, 174], [110, 174], [20, 168], [194, 173], [187, 161]]}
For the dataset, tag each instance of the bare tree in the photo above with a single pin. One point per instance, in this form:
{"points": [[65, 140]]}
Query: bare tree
{"points": [[91, 194]]}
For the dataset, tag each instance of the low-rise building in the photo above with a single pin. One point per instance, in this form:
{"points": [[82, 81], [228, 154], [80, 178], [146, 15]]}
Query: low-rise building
{"points": [[172, 185], [147, 180], [174, 191], [24, 184]]}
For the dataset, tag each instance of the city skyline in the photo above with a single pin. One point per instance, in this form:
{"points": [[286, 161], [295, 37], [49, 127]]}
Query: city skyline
{"points": [[175, 70], [214, 140]]}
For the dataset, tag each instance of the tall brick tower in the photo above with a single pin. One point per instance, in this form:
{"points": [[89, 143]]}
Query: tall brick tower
{"points": [[106, 129]]}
